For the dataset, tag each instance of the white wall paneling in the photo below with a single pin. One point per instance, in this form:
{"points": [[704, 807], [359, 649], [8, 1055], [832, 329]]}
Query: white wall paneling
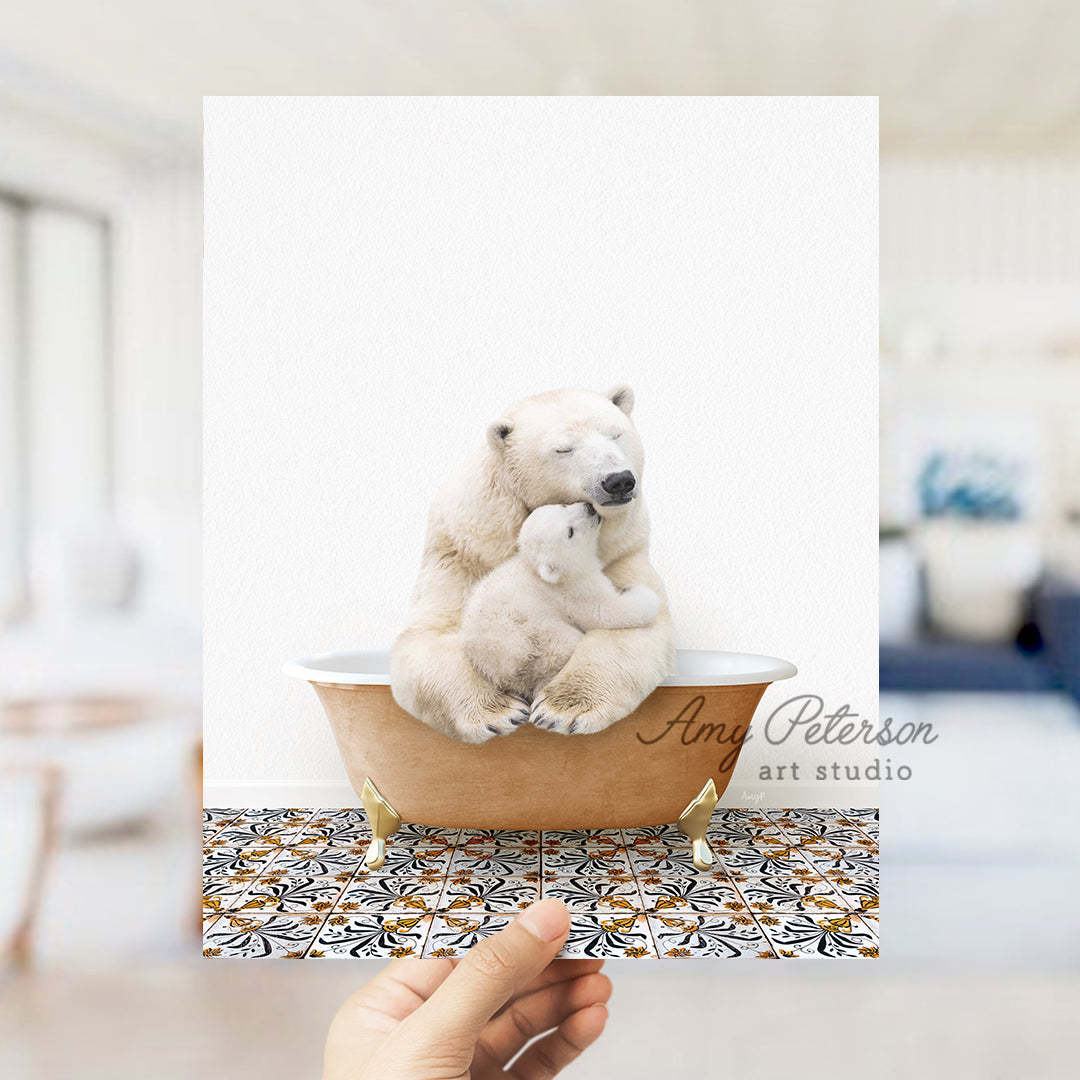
{"points": [[68, 399], [103, 373], [12, 523], [980, 271]]}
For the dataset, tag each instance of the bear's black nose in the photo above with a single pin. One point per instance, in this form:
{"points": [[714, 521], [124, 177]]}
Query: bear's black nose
{"points": [[618, 484]]}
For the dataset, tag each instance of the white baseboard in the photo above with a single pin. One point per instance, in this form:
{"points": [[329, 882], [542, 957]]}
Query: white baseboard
{"points": [[780, 795], [260, 794], [339, 793]]}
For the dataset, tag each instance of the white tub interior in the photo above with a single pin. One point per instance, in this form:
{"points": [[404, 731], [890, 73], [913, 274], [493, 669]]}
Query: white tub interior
{"points": [[693, 667]]}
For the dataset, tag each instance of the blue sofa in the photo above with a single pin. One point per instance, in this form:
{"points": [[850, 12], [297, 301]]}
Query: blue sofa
{"points": [[1045, 657]]}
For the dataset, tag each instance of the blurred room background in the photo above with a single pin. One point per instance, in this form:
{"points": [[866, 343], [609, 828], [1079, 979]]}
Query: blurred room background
{"points": [[980, 526], [99, 516], [100, 130]]}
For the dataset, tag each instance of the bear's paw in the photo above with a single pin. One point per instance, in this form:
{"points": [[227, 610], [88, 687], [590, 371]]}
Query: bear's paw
{"points": [[497, 713], [572, 712]]}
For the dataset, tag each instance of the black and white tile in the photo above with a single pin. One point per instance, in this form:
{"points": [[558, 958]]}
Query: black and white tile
{"points": [[488, 894], [455, 934], [719, 936], [664, 895], [858, 893], [291, 893], [825, 834], [737, 833], [284, 816], [421, 860], [622, 935], [499, 861], [249, 833], [768, 861], [371, 934], [486, 838], [833, 861], [771, 895], [656, 836], [220, 893], [323, 833], [595, 893], [660, 861], [391, 894], [820, 936], [582, 860], [260, 937], [234, 860], [319, 862], [788, 883]]}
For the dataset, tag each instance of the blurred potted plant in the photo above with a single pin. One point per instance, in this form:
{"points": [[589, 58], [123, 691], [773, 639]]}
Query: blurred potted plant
{"points": [[980, 551]]}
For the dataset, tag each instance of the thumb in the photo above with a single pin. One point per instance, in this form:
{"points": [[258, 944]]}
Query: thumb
{"points": [[491, 973]]}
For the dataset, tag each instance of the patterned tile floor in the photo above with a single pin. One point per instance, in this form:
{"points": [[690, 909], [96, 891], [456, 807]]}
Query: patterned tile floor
{"points": [[787, 883]]}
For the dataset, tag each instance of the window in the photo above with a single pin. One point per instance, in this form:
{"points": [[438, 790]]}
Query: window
{"points": [[56, 382]]}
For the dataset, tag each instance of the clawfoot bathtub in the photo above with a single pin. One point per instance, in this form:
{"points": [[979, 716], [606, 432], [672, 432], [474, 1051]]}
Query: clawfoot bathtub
{"points": [[669, 760]]}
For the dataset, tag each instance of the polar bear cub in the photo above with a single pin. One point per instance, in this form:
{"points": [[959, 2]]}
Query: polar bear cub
{"points": [[524, 619]]}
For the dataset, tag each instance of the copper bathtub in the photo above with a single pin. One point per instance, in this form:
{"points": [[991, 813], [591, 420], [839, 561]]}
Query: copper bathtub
{"points": [[668, 761]]}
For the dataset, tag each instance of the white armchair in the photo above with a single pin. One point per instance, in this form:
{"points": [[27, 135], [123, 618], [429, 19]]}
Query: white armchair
{"points": [[102, 686]]}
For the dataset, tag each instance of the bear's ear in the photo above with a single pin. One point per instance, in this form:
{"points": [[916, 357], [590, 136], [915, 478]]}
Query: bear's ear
{"points": [[548, 573], [622, 396], [498, 432]]}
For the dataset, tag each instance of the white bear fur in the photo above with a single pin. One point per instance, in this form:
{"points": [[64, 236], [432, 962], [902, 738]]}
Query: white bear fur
{"points": [[473, 527], [524, 620]]}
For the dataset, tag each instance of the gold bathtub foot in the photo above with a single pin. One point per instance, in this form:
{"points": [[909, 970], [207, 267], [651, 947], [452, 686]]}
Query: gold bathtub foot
{"points": [[694, 820], [384, 820]]}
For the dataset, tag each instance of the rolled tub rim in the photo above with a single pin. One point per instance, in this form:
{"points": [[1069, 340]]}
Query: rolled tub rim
{"points": [[693, 667]]}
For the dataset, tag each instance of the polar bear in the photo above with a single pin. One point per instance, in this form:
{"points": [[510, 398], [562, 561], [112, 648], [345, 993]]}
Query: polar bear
{"points": [[563, 446], [523, 620]]}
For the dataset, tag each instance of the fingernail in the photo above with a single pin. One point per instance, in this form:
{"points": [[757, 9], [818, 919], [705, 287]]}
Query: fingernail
{"points": [[546, 919]]}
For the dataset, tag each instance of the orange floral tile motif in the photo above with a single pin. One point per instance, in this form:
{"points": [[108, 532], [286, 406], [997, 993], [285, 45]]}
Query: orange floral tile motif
{"points": [[788, 883]]}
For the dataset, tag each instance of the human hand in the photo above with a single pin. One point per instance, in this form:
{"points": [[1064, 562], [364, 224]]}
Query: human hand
{"points": [[466, 1019]]}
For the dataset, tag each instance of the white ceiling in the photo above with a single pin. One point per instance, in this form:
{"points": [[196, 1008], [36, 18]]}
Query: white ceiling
{"points": [[954, 76]]}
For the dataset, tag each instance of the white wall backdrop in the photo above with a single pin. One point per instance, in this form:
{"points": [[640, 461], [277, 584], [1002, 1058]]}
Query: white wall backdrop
{"points": [[384, 276]]}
